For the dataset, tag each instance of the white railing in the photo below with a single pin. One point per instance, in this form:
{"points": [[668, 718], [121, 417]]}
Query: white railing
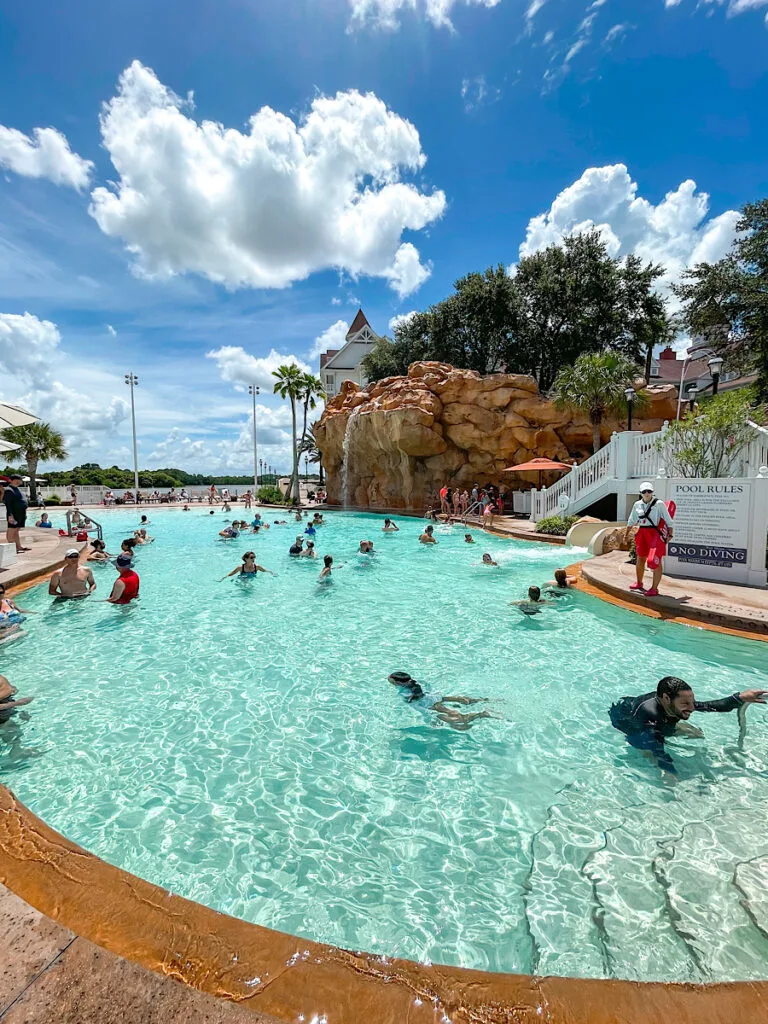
{"points": [[580, 480], [645, 456], [756, 456]]}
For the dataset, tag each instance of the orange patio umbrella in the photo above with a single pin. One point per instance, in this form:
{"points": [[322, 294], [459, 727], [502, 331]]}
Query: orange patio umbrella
{"points": [[538, 465]]}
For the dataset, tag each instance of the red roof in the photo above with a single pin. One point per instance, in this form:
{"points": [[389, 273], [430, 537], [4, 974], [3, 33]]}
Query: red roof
{"points": [[325, 356], [358, 323]]}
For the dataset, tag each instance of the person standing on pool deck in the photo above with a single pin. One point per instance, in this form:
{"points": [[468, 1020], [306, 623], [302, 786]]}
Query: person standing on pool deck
{"points": [[15, 510], [648, 720], [649, 513], [126, 586]]}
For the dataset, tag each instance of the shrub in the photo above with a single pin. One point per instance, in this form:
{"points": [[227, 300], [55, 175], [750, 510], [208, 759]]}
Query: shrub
{"points": [[270, 494], [53, 500], [556, 526]]}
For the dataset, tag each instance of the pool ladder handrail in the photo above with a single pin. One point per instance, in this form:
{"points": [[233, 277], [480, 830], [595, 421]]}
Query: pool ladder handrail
{"points": [[76, 530]]}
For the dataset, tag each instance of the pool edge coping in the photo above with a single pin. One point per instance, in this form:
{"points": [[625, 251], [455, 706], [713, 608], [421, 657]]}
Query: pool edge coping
{"points": [[278, 974]]}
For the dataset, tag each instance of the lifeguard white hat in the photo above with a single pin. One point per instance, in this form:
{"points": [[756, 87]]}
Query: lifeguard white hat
{"points": [[646, 485]]}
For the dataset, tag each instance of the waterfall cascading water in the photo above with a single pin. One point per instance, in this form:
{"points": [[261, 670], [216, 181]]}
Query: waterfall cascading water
{"points": [[345, 448]]}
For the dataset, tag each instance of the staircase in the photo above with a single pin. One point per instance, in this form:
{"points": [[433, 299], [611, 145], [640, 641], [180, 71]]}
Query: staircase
{"points": [[629, 458]]}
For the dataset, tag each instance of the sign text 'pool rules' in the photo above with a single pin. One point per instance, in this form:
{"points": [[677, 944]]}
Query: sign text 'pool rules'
{"points": [[713, 533]]}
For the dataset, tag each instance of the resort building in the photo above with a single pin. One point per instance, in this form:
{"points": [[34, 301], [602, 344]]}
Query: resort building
{"points": [[693, 368], [338, 365]]}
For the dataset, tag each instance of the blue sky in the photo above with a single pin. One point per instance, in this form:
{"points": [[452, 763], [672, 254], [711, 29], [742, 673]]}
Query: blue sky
{"points": [[398, 145]]}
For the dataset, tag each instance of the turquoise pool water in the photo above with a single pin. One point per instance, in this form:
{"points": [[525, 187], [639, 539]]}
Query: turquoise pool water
{"points": [[239, 744]]}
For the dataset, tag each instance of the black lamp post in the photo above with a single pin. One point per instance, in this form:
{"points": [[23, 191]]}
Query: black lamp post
{"points": [[629, 394], [693, 390], [715, 365]]}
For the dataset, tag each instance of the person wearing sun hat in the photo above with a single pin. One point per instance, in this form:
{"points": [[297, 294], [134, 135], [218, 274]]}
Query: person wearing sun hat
{"points": [[73, 579], [655, 529]]}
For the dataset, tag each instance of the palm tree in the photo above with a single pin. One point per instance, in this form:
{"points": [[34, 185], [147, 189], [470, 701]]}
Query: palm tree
{"points": [[37, 442], [308, 446], [312, 391], [595, 386], [290, 384]]}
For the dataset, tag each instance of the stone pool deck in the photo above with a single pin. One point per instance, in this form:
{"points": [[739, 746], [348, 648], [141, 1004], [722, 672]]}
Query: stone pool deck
{"points": [[46, 554], [742, 611], [114, 948]]}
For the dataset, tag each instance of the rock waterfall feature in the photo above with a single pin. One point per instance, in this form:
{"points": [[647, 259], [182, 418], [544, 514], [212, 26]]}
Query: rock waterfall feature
{"points": [[395, 442]]}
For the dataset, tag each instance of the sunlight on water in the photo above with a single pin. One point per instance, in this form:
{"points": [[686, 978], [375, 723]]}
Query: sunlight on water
{"points": [[239, 743]]}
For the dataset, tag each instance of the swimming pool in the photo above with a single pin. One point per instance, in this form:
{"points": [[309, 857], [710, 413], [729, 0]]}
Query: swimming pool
{"points": [[239, 743]]}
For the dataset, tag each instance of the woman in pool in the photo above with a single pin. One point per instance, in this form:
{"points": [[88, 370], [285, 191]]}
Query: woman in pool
{"points": [[561, 582], [7, 704], [127, 547], [10, 613], [44, 523], [309, 550], [390, 527], [98, 552], [325, 574], [427, 701], [248, 568], [468, 538], [487, 560]]}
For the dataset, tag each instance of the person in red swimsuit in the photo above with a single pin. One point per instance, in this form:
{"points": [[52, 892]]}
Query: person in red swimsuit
{"points": [[126, 586]]}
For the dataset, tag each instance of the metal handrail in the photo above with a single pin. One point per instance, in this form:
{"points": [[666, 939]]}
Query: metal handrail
{"points": [[70, 531]]}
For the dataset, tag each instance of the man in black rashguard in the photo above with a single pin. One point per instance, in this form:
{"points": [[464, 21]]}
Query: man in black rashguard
{"points": [[648, 720], [16, 511]]}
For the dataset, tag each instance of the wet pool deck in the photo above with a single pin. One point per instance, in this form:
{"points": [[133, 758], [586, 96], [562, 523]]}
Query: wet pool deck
{"points": [[724, 607]]}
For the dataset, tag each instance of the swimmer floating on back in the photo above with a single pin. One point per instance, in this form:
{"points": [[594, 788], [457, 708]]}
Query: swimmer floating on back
{"points": [[426, 701]]}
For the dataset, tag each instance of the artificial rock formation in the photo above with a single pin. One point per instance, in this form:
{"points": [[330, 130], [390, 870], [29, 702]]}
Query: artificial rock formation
{"points": [[395, 442]]}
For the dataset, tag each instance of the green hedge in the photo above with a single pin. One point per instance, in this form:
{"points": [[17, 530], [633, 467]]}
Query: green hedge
{"points": [[271, 494], [53, 500], [556, 526]]}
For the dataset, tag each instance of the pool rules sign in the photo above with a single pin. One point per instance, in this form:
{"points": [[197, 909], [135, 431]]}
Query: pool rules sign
{"points": [[719, 529]]}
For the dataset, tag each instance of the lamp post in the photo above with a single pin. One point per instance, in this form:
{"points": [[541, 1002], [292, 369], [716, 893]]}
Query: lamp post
{"points": [[692, 390], [715, 365], [629, 394], [261, 467], [133, 381], [254, 391]]}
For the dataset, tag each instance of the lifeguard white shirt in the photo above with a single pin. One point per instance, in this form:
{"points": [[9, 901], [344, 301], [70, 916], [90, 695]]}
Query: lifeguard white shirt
{"points": [[659, 513]]}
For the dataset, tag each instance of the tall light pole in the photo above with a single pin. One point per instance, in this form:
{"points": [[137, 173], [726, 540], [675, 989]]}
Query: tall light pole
{"points": [[629, 394], [133, 381], [254, 391], [715, 365]]}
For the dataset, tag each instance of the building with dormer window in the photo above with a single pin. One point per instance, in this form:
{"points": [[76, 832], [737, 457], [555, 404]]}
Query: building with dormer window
{"points": [[338, 365]]}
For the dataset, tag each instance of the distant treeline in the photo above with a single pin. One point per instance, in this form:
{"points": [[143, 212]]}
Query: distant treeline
{"points": [[90, 474]]}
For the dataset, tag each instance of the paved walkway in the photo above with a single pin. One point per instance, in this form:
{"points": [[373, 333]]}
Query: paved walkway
{"points": [[46, 554], [741, 610], [50, 976]]}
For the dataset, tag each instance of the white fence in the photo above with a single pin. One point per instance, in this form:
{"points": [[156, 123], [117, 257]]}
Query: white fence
{"points": [[629, 456]]}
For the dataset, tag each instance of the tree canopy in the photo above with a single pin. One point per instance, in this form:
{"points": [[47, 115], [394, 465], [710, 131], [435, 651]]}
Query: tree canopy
{"points": [[727, 302], [557, 304]]}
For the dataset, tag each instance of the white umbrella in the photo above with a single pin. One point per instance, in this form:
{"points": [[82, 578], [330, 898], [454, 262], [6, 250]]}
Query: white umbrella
{"points": [[27, 479], [15, 416], [6, 446]]}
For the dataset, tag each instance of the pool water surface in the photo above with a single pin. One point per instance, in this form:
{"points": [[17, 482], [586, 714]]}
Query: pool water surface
{"points": [[238, 743]]}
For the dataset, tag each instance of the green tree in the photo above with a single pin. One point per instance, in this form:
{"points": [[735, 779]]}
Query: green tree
{"points": [[727, 302], [39, 442], [311, 392], [595, 386], [308, 446], [708, 443], [290, 384]]}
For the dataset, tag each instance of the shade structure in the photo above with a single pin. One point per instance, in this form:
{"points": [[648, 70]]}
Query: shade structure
{"points": [[539, 466], [6, 446], [15, 416]]}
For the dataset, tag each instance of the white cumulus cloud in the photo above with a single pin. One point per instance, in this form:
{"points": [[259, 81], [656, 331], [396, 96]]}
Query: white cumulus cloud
{"points": [[45, 155], [239, 367], [111, 330], [268, 206], [384, 14], [29, 348], [401, 318], [332, 337], [675, 232]]}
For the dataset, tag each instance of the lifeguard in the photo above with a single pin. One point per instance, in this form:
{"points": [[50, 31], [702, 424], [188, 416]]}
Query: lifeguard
{"points": [[655, 522]]}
